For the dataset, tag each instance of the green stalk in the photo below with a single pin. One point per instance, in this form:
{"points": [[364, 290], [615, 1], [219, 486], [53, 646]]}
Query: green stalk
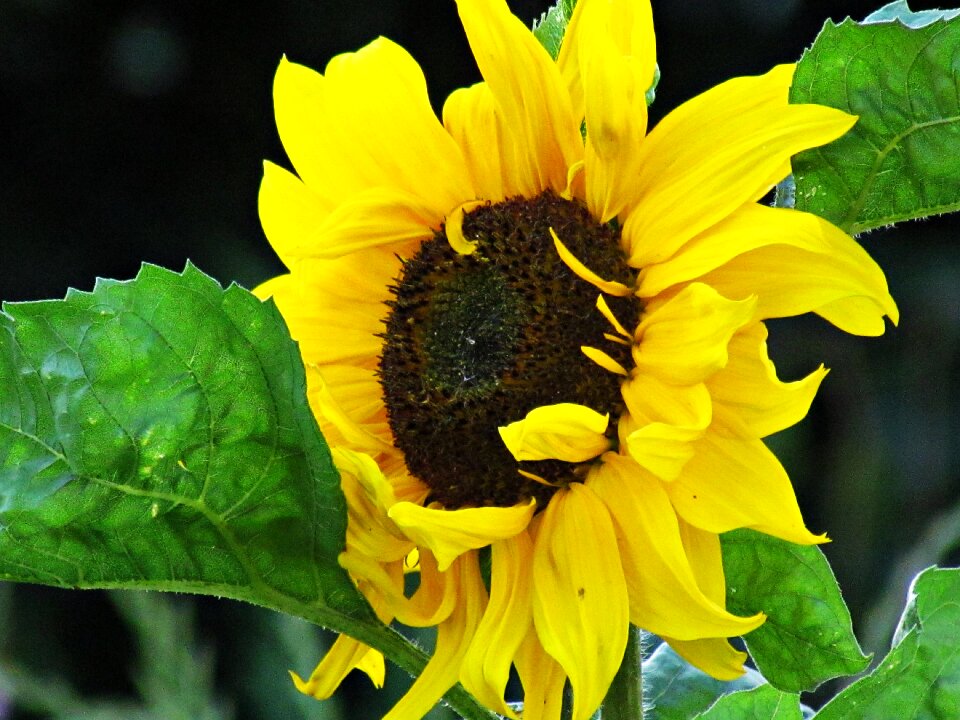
{"points": [[624, 699]]}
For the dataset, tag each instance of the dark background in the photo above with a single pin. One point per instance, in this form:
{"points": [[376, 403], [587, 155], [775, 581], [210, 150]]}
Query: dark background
{"points": [[135, 131]]}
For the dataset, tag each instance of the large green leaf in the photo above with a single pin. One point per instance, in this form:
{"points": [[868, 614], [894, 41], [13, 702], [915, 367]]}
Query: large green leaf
{"points": [[549, 30], [155, 434], [807, 638], [762, 703], [675, 690], [920, 678], [898, 72]]}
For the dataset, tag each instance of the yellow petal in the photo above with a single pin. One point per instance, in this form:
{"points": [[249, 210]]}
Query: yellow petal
{"points": [[714, 656], [543, 680], [749, 400], [345, 655], [377, 217], [453, 639], [734, 483], [368, 123], [470, 116], [750, 227], [450, 533], [615, 82], [631, 35], [350, 430], [669, 418], [528, 92], [604, 360], [664, 595], [580, 605], [611, 287], [684, 341], [717, 152], [844, 285], [291, 213], [486, 667], [565, 431], [454, 228], [706, 560], [610, 317]]}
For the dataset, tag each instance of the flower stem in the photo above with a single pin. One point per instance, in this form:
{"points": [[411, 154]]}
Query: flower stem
{"points": [[624, 699]]}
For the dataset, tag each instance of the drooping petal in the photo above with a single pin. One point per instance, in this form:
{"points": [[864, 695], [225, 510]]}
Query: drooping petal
{"points": [[529, 93], [749, 227], [543, 680], [472, 119], [565, 431], [450, 533], [665, 597], [716, 152], [749, 400], [486, 667], [715, 656], [453, 639], [368, 123], [684, 341], [580, 604], [731, 483], [844, 285], [345, 655], [668, 418]]}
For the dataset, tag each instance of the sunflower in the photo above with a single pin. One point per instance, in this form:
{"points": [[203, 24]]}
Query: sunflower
{"points": [[534, 338]]}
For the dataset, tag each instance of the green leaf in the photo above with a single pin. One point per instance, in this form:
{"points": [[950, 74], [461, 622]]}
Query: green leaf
{"points": [[155, 434], [675, 690], [920, 678], [552, 25], [762, 703], [898, 72], [807, 638]]}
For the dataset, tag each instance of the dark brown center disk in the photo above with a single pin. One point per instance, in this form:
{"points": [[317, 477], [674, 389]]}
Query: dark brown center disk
{"points": [[474, 342]]}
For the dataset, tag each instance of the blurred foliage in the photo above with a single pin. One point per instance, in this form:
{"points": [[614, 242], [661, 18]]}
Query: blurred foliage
{"points": [[135, 131]]}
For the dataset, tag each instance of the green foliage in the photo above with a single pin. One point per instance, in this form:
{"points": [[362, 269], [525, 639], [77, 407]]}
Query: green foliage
{"points": [[898, 72], [155, 434], [762, 703], [920, 678], [675, 690], [552, 25], [807, 638]]}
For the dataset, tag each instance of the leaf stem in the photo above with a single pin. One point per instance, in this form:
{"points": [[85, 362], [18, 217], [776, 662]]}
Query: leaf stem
{"points": [[624, 699]]}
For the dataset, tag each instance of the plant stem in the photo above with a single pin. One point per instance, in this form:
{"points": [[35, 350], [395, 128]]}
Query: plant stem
{"points": [[624, 699]]}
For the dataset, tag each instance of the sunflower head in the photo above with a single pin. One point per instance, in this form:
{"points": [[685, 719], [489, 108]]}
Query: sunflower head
{"points": [[475, 341], [550, 343]]}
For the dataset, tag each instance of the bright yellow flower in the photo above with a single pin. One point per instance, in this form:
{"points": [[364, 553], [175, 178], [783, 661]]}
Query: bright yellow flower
{"points": [[550, 344]]}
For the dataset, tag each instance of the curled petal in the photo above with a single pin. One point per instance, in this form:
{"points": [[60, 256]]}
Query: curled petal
{"points": [[684, 341], [667, 418], [715, 656], [450, 533], [345, 655], [565, 431], [749, 400]]}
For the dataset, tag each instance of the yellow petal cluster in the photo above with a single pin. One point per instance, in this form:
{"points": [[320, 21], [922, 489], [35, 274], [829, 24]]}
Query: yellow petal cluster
{"points": [[637, 540]]}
